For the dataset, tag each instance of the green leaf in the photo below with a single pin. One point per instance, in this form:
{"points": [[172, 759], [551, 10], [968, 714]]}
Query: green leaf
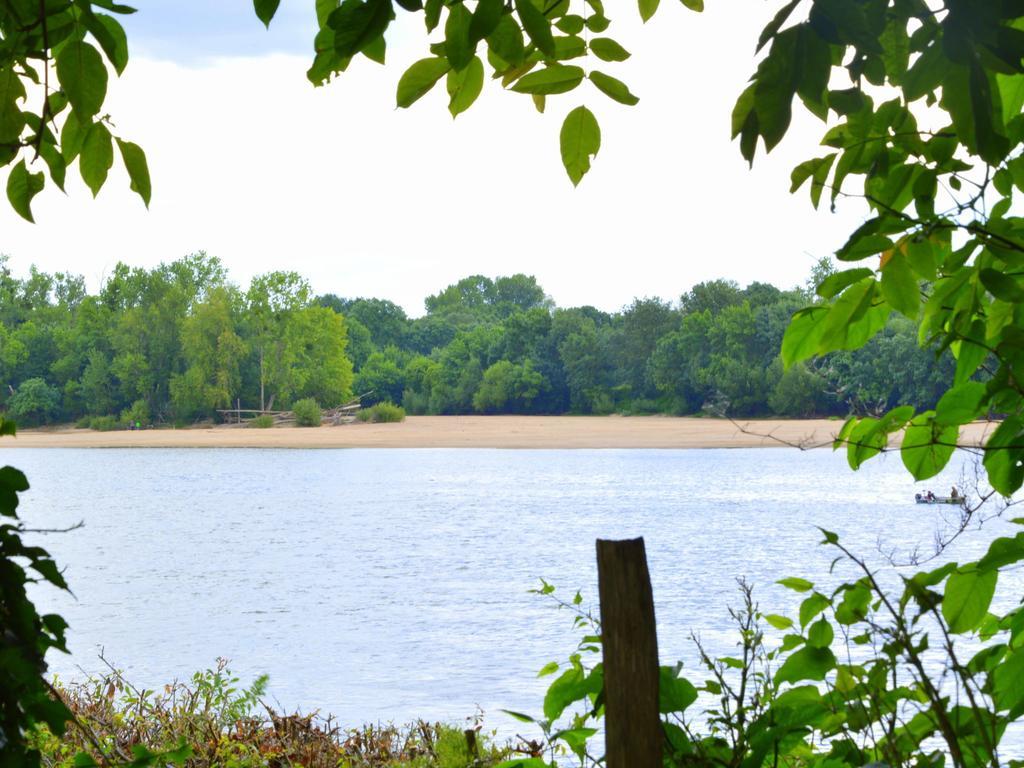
{"points": [[507, 41], [356, 24], [803, 335], [613, 88], [779, 622], [580, 140], [773, 27], [432, 13], [572, 24], [465, 86], [555, 78], [812, 606], [854, 318], [961, 404], [836, 283], [485, 19], [967, 597], [899, 285], [1001, 285], [1008, 680], [607, 49], [775, 86], [83, 76], [796, 584], [806, 664], [548, 669], [571, 686], [694, 5], [138, 169], [22, 186], [865, 440], [457, 45], [1011, 94], [97, 157], [648, 8], [518, 716], [265, 10], [537, 27], [820, 634], [1002, 552], [1003, 456], [324, 9], [11, 118], [675, 693], [419, 79], [112, 38], [817, 170]]}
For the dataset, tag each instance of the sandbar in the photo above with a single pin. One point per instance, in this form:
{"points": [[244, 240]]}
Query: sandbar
{"points": [[476, 432]]}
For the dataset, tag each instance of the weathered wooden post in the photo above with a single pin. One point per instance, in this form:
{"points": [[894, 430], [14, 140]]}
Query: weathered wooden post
{"points": [[633, 735]]}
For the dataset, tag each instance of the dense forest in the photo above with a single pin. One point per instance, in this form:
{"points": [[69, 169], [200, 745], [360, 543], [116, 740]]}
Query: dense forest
{"points": [[173, 344]]}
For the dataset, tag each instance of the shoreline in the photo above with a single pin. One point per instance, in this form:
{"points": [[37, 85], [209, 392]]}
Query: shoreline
{"points": [[515, 432]]}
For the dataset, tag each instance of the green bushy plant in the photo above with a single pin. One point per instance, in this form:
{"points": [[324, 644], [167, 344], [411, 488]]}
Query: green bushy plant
{"points": [[138, 413], [226, 725], [105, 423], [307, 413], [263, 421], [382, 413]]}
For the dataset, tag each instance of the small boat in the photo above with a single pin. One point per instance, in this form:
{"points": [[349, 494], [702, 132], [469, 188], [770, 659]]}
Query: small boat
{"points": [[921, 498]]}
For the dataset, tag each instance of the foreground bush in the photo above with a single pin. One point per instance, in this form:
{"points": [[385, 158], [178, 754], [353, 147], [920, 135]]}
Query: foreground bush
{"points": [[382, 413], [265, 421], [307, 413], [221, 724], [929, 672]]}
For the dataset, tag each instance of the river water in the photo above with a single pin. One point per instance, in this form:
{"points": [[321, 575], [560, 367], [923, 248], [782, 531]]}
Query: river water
{"points": [[386, 585]]}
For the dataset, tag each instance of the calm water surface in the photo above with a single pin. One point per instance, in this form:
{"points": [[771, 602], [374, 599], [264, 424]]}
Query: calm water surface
{"points": [[393, 584]]}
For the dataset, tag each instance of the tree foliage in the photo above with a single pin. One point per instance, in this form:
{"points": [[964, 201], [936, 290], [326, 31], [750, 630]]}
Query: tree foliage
{"points": [[54, 65]]}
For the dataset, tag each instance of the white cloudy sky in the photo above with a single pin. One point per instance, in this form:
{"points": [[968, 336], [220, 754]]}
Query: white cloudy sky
{"points": [[253, 164]]}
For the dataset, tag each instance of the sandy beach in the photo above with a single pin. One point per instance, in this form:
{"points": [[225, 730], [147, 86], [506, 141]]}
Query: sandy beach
{"points": [[473, 432]]}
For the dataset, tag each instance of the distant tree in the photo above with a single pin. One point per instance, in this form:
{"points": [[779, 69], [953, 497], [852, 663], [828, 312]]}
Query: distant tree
{"points": [[713, 296], [213, 352], [385, 320], [508, 387], [382, 376], [360, 345], [430, 332], [96, 387], [34, 402], [642, 323]]}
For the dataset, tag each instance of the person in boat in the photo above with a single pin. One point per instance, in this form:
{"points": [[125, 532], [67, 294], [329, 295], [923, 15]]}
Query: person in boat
{"points": [[930, 496], [953, 493]]}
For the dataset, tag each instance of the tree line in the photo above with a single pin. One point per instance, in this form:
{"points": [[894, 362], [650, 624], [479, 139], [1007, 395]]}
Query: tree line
{"points": [[175, 343]]}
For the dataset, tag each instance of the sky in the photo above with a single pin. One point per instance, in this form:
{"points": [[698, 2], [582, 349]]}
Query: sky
{"points": [[253, 164]]}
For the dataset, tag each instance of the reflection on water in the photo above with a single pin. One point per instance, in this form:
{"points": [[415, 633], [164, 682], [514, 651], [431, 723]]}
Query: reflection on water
{"points": [[392, 584]]}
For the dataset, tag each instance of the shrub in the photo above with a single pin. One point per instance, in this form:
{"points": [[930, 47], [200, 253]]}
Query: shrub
{"points": [[227, 726], [84, 423], [138, 414], [105, 423], [264, 421], [307, 413], [388, 412], [382, 413]]}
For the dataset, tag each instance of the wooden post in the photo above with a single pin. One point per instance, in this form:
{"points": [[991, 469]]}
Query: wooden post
{"points": [[633, 736], [471, 744]]}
